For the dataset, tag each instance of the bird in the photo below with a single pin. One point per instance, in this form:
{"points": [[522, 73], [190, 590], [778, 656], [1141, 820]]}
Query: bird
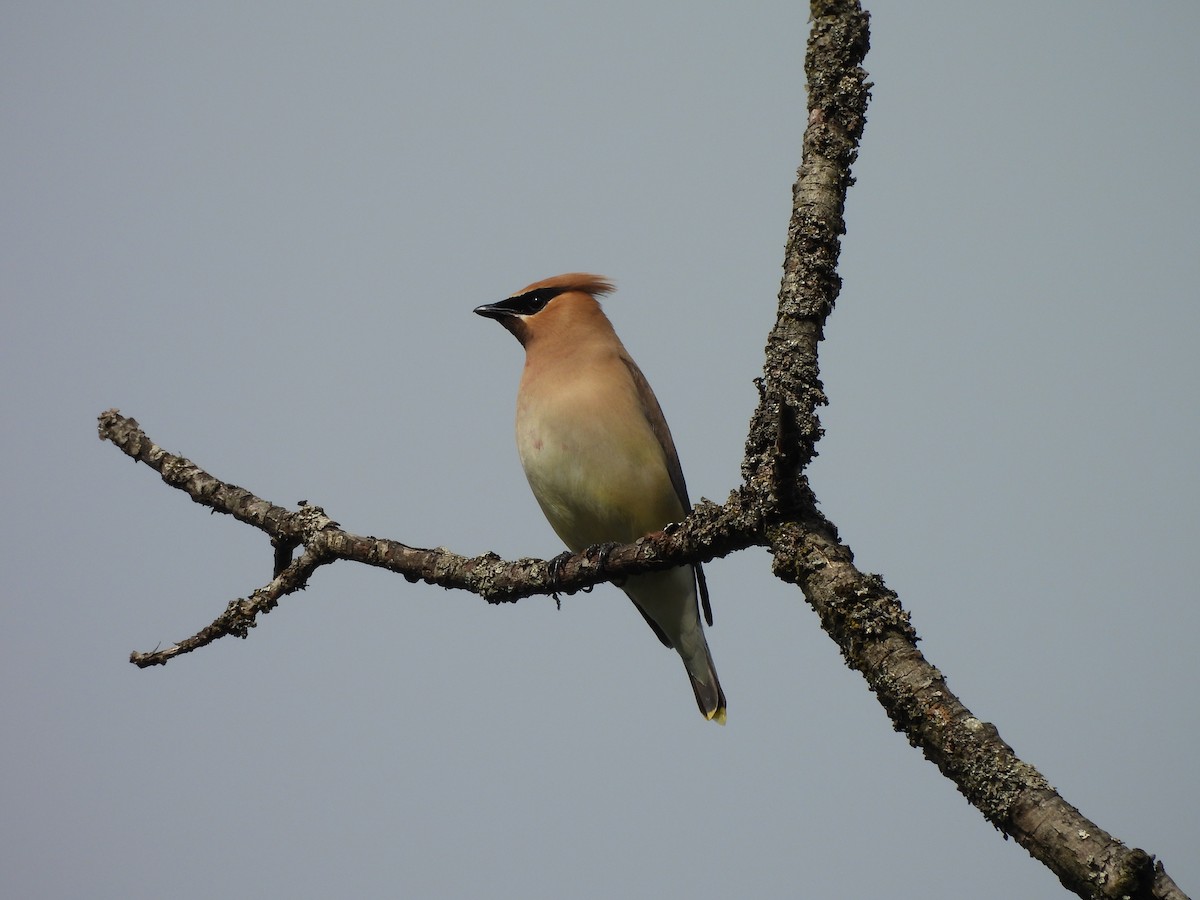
{"points": [[599, 457]]}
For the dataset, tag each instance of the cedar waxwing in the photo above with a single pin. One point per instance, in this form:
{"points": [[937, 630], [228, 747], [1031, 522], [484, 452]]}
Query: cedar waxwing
{"points": [[599, 456]]}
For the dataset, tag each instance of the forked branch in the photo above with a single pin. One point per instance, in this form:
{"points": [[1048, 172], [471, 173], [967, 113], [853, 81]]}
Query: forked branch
{"points": [[773, 507]]}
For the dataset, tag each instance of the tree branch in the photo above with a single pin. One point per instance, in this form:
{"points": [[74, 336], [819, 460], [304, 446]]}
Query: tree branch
{"points": [[856, 609], [710, 532], [774, 507]]}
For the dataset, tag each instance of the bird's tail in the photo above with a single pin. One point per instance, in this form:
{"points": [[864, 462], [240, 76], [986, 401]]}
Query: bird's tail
{"points": [[703, 676], [668, 601]]}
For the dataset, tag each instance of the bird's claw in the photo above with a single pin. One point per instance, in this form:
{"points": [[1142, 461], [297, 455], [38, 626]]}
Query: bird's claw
{"points": [[555, 566], [602, 553]]}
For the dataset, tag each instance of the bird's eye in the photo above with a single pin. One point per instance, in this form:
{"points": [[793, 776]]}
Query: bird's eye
{"points": [[532, 302]]}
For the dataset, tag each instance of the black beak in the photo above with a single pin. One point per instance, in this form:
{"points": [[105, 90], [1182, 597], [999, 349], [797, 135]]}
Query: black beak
{"points": [[492, 311]]}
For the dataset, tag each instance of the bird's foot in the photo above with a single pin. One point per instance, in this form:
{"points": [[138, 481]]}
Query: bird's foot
{"points": [[556, 565], [600, 552]]}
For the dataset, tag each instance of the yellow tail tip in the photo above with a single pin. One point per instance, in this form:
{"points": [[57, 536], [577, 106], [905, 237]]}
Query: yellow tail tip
{"points": [[717, 715]]}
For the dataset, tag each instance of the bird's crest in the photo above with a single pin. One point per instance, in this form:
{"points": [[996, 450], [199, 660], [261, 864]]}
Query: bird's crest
{"points": [[595, 285]]}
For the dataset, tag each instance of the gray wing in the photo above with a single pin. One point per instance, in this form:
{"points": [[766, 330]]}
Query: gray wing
{"points": [[658, 425]]}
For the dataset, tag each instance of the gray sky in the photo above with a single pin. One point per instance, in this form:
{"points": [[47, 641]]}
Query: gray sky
{"points": [[261, 228]]}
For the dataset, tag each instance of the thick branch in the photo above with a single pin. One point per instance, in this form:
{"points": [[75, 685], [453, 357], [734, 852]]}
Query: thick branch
{"points": [[785, 427], [873, 633], [856, 609]]}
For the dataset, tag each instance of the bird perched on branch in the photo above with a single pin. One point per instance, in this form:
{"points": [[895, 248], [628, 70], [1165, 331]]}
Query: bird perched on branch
{"points": [[599, 456]]}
